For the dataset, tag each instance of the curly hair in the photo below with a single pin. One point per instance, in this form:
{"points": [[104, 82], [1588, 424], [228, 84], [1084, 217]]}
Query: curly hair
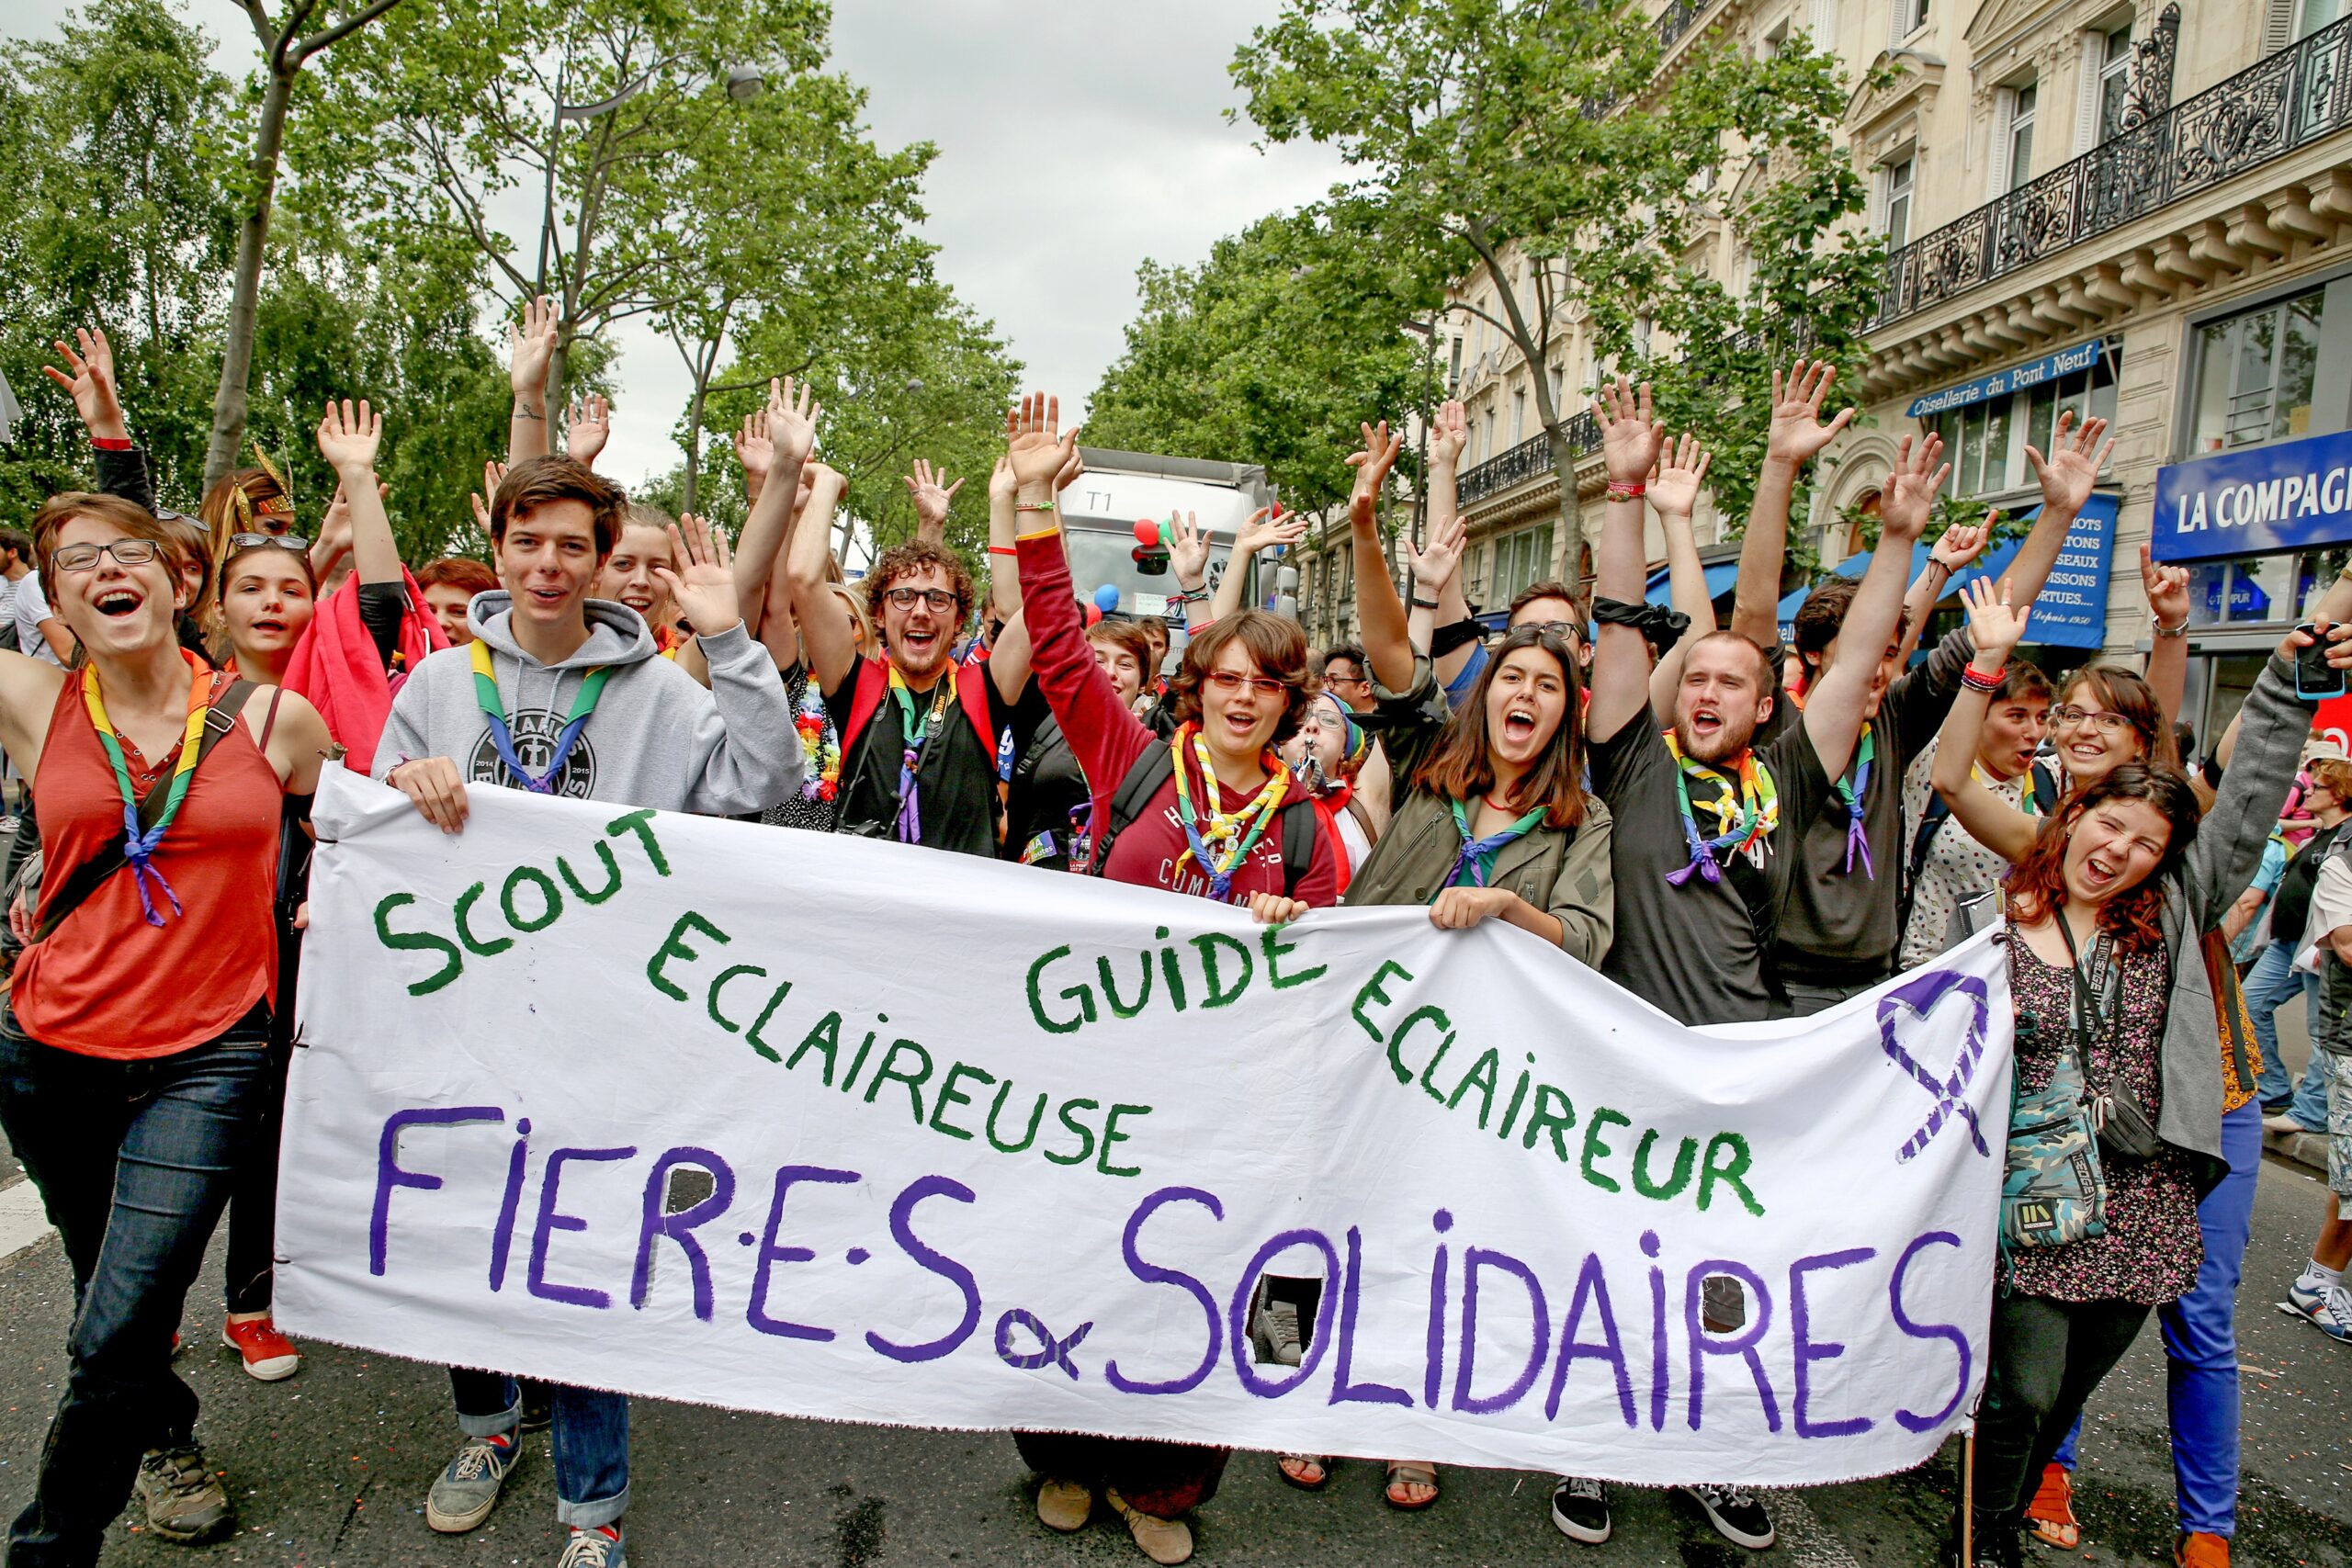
{"points": [[2037, 884], [901, 560], [1274, 643]]}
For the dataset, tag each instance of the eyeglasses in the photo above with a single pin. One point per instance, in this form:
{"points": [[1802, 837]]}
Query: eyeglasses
{"points": [[293, 542], [1346, 680], [939, 599], [126, 552], [1232, 681], [1567, 631], [2108, 724]]}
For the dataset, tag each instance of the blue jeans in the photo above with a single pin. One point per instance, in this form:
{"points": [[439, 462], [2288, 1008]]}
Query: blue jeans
{"points": [[2268, 987], [590, 1435], [2201, 1343], [133, 1161]]}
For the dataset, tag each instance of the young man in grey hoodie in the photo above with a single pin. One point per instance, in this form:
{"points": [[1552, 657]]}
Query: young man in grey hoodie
{"points": [[587, 709]]}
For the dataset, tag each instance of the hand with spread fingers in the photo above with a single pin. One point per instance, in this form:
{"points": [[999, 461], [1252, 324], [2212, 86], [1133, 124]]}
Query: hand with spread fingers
{"points": [[1631, 440], [1797, 431], [701, 581], [89, 375]]}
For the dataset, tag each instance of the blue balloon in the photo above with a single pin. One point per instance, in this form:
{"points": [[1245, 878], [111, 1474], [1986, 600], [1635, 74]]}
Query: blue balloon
{"points": [[1106, 598]]}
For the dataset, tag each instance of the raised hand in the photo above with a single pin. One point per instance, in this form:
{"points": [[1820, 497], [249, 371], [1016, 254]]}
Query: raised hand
{"points": [[1188, 550], [1994, 623], [1372, 466], [704, 590], [1002, 486], [92, 383], [1796, 431], [348, 439], [1962, 543], [932, 493], [1040, 448], [1434, 564], [793, 414], [2073, 466], [333, 546], [1631, 441], [493, 474], [1264, 531], [1681, 471], [531, 349], [753, 450], [590, 425], [1449, 435], [2337, 635], [2167, 590], [1909, 493]]}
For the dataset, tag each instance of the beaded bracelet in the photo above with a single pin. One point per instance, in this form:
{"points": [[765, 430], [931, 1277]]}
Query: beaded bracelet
{"points": [[1976, 680], [1033, 506]]}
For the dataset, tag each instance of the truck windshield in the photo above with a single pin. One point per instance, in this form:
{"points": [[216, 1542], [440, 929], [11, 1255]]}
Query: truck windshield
{"points": [[1099, 556]]}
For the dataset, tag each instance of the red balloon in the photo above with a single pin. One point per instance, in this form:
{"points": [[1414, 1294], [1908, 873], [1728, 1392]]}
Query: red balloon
{"points": [[1147, 533], [1278, 511], [1094, 612]]}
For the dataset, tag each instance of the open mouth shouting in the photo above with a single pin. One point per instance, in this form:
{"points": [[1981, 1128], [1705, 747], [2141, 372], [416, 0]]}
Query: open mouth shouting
{"points": [[117, 603], [2100, 872], [1518, 726]]}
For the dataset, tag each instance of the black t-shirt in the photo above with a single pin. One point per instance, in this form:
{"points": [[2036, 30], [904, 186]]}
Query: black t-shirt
{"points": [[956, 785], [1048, 786], [1840, 926], [1691, 950], [381, 605]]}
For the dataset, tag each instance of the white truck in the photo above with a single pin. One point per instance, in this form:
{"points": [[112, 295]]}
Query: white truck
{"points": [[1122, 489]]}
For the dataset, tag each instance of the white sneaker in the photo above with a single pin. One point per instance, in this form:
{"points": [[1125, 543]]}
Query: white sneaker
{"points": [[2335, 1319]]}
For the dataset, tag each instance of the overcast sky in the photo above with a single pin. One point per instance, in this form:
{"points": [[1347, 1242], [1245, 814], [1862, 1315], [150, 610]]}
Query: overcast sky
{"points": [[1075, 140]]}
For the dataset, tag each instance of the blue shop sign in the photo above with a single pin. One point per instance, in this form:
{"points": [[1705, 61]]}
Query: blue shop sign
{"points": [[2001, 383], [2266, 500]]}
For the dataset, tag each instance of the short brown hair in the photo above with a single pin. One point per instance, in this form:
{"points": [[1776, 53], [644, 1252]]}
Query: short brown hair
{"points": [[134, 521], [901, 560], [1550, 588], [1131, 635], [1274, 643], [1823, 616], [2333, 775], [457, 571], [539, 481]]}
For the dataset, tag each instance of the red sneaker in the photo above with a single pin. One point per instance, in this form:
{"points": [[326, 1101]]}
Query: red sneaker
{"points": [[268, 1354]]}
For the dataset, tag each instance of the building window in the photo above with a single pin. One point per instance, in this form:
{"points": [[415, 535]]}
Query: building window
{"points": [[1898, 203], [1454, 371], [2313, 15], [1986, 441], [2020, 139], [1521, 559], [1910, 16], [1487, 431], [2255, 372], [2114, 80]]}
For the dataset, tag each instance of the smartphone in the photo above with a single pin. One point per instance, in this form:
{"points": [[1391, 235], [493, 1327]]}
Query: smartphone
{"points": [[2314, 677]]}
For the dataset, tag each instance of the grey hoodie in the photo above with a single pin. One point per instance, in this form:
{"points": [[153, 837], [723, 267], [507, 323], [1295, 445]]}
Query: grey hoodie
{"points": [[657, 738]]}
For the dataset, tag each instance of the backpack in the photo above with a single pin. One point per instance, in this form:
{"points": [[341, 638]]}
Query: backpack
{"points": [[2041, 791], [1155, 768]]}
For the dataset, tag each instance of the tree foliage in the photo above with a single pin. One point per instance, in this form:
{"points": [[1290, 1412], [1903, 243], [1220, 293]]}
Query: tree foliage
{"points": [[1269, 352]]}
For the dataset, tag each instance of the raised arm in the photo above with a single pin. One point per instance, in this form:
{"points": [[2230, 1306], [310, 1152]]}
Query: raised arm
{"points": [[1449, 438], [1436, 565], [1673, 496], [349, 437], [2271, 726], [1380, 613], [786, 434], [1955, 552], [2076, 454], [530, 349], [89, 375], [1264, 531], [1631, 443], [587, 426], [1004, 527], [1994, 625], [933, 496], [1188, 558], [1834, 709], [1795, 436], [825, 638], [2167, 588]]}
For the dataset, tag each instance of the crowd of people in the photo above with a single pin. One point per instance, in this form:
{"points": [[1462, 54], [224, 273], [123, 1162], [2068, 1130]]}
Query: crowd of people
{"points": [[1731, 823]]}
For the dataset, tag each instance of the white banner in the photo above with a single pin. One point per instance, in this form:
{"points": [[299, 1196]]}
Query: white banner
{"points": [[829, 1127]]}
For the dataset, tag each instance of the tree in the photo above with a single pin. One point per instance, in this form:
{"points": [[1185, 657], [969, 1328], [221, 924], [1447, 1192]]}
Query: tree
{"points": [[285, 50], [594, 104], [1536, 140], [1270, 351]]}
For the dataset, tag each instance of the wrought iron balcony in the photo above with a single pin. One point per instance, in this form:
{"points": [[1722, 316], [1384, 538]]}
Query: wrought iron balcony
{"points": [[2287, 101], [1528, 460], [1676, 19]]}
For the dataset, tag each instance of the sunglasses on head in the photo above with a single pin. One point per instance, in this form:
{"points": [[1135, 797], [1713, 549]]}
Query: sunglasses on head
{"points": [[293, 542]]}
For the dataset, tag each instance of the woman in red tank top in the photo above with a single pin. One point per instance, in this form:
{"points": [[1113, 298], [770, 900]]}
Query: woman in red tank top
{"points": [[134, 1049]]}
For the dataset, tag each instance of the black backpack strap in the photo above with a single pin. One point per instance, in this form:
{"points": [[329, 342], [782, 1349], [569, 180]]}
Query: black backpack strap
{"points": [[1154, 768], [1298, 845], [86, 877], [1935, 815]]}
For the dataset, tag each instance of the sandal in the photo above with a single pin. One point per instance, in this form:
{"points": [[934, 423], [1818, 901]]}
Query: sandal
{"points": [[2051, 1512], [1322, 1463], [1407, 1473]]}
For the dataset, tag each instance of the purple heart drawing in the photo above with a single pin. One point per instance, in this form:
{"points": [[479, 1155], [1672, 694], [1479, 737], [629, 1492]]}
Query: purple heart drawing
{"points": [[1918, 996]]}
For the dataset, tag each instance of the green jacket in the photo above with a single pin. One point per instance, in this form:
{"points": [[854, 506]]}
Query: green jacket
{"points": [[1564, 871]]}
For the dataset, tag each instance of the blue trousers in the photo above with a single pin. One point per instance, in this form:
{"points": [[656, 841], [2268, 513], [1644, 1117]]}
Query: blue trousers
{"points": [[133, 1161], [2201, 1343], [589, 1432], [2270, 985]]}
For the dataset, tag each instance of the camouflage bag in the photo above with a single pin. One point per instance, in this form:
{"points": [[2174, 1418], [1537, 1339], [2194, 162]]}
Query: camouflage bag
{"points": [[2052, 1193]]}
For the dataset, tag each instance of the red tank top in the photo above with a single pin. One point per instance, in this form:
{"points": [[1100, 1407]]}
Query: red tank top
{"points": [[106, 983]]}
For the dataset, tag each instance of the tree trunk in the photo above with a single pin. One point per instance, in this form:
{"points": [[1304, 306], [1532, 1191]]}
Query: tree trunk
{"points": [[229, 403], [558, 370], [1564, 464], [694, 441]]}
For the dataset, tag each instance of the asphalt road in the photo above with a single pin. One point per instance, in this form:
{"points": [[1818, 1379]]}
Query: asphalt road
{"points": [[332, 1467]]}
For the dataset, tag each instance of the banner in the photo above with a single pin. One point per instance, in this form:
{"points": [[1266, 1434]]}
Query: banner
{"points": [[830, 1127]]}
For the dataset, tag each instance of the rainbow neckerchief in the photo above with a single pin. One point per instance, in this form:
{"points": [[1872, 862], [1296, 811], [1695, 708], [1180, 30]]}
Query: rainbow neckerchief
{"points": [[140, 842], [1745, 812], [1221, 847]]}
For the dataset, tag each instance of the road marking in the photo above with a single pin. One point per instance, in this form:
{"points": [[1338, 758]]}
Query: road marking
{"points": [[1808, 1541], [22, 1223]]}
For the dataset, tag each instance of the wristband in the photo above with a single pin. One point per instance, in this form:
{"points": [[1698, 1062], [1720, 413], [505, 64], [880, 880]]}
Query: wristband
{"points": [[1032, 506], [1976, 680], [1620, 490], [2179, 630], [1421, 603], [110, 443], [1196, 628], [1003, 550]]}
